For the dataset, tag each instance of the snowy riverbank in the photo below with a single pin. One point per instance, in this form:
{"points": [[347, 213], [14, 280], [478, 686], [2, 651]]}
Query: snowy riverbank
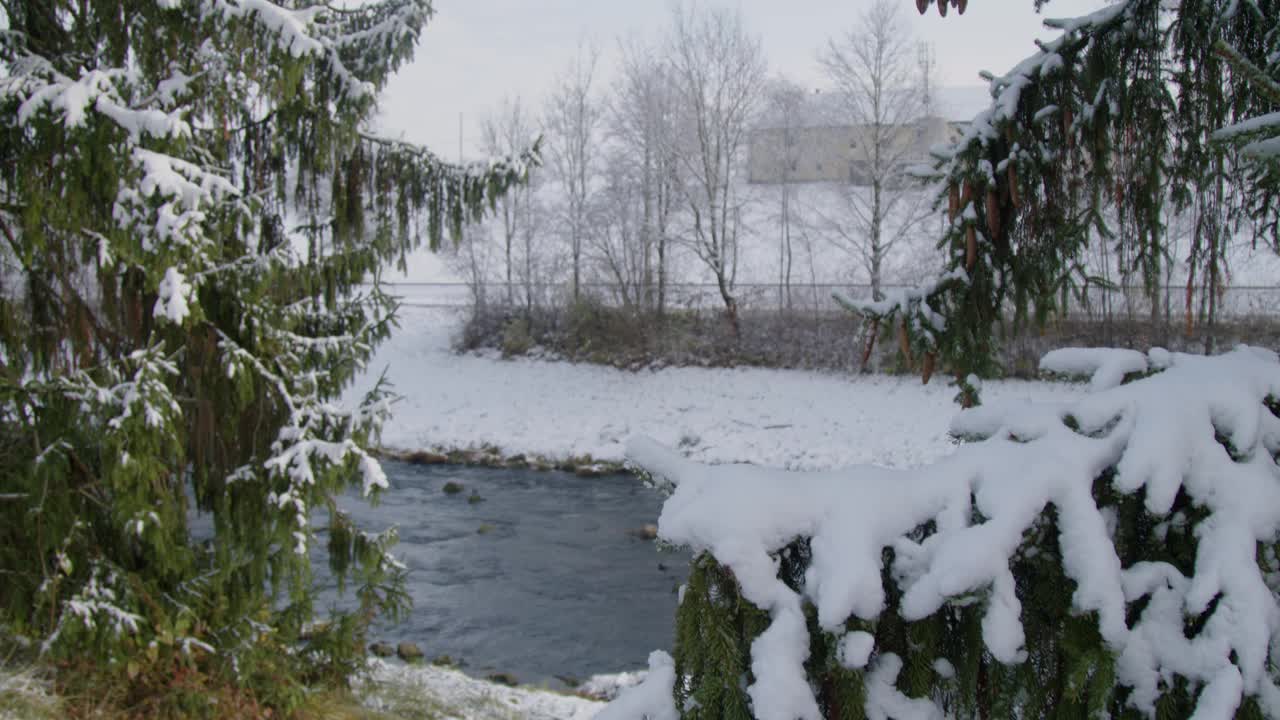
{"points": [[783, 418]]}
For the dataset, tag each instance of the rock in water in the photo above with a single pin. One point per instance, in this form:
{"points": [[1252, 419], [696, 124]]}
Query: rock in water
{"points": [[648, 531], [409, 651]]}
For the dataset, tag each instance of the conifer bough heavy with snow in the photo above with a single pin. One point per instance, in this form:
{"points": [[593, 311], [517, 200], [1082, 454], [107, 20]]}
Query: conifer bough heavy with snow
{"points": [[1112, 556], [190, 197], [1141, 110]]}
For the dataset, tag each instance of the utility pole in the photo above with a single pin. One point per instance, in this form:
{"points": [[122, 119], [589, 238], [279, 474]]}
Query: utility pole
{"points": [[928, 61]]}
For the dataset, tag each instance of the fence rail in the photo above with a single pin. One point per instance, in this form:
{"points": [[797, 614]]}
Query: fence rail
{"points": [[1096, 304]]}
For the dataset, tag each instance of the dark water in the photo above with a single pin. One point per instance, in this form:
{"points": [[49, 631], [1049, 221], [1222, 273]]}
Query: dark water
{"points": [[540, 580]]}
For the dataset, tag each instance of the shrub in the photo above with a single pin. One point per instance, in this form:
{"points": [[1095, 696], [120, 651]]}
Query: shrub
{"points": [[516, 339]]}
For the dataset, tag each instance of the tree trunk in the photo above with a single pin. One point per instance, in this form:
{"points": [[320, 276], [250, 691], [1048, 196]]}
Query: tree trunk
{"points": [[877, 252]]}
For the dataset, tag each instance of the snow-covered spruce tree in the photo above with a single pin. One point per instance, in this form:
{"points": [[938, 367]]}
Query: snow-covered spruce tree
{"points": [[190, 198], [1130, 112], [1109, 556]]}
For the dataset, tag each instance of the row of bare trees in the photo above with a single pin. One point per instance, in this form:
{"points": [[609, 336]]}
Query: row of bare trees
{"points": [[655, 169]]}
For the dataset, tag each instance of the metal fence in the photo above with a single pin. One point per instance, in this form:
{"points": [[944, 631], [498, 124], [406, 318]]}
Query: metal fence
{"points": [[1095, 304]]}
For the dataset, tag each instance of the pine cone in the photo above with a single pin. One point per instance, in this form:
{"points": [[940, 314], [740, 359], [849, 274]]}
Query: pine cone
{"points": [[927, 370], [953, 203], [922, 6], [1014, 196], [942, 8], [970, 248], [961, 5]]}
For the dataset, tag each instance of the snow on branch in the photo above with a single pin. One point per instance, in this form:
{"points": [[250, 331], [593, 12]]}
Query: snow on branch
{"points": [[1006, 90], [359, 47], [186, 191], [40, 88], [1106, 367], [291, 27], [904, 300], [1203, 427]]}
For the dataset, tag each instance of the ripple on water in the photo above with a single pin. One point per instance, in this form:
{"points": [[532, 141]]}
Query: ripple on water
{"points": [[538, 580]]}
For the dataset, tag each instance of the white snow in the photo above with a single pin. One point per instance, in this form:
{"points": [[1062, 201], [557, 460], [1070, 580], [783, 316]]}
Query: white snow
{"points": [[172, 297], [782, 418], [607, 686], [1106, 367], [651, 699], [445, 692], [855, 649], [1159, 433]]}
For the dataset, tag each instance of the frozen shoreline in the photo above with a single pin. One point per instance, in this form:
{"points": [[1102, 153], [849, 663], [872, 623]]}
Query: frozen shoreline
{"points": [[798, 420]]}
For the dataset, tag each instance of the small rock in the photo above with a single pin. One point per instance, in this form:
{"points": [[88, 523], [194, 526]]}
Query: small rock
{"points": [[452, 488], [648, 531], [484, 529], [589, 471], [446, 661], [475, 497], [662, 567], [423, 457], [382, 649], [409, 651], [503, 679]]}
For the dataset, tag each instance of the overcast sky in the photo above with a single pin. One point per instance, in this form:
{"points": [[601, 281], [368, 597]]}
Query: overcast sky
{"points": [[476, 52]]}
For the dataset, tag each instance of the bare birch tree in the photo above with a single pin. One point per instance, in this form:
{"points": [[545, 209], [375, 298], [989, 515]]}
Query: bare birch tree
{"points": [[573, 120], [874, 69], [718, 73], [641, 125], [785, 106], [617, 238], [509, 131]]}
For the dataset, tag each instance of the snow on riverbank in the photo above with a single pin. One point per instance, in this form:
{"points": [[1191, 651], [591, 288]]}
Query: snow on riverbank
{"points": [[784, 418], [447, 693]]}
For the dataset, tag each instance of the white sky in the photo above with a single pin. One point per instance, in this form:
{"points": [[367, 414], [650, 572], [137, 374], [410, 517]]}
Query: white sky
{"points": [[476, 52]]}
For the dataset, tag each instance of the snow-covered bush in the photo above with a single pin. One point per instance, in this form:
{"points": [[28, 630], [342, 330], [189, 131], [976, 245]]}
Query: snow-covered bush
{"points": [[1113, 555]]}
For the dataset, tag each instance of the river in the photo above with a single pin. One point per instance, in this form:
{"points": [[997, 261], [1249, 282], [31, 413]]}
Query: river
{"points": [[541, 579]]}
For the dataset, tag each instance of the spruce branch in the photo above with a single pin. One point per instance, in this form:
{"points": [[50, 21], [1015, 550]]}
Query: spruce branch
{"points": [[1262, 82]]}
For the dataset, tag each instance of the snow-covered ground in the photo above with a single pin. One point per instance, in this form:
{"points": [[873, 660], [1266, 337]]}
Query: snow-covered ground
{"points": [[448, 693], [782, 418]]}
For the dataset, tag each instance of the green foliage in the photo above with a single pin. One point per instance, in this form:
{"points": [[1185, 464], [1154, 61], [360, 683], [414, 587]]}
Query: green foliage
{"points": [[189, 204], [516, 339], [714, 629], [1095, 140]]}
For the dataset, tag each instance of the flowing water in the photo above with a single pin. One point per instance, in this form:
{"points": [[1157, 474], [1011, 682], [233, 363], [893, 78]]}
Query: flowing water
{"points": [[541, 579]]}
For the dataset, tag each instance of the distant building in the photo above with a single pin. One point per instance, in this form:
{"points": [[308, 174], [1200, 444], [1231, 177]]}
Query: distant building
{"points": [[815, 147]]}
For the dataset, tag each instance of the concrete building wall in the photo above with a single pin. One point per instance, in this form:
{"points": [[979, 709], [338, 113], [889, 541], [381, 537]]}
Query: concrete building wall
{"points": [[834, 153]]}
